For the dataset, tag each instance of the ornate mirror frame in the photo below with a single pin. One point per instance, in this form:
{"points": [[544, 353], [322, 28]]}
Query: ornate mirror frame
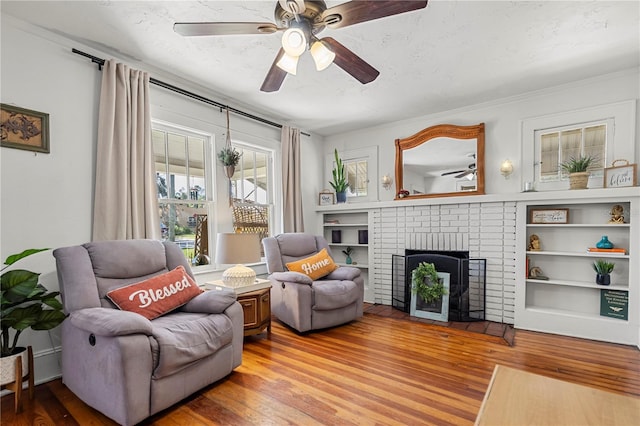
{"points": [[447, 131]]}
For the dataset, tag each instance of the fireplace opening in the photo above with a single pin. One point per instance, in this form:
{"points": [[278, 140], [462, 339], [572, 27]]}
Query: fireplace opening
{"points": [[467, 281]]}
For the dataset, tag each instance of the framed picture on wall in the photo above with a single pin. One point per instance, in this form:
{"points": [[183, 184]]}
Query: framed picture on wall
{"points": [[23, 128]]}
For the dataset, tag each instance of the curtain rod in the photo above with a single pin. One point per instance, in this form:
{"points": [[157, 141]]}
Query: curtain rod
{"points": [[189, 94]]}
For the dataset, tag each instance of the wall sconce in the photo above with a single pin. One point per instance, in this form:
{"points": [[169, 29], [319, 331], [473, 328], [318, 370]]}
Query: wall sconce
{"points": [[386, 182], [506, 168]]}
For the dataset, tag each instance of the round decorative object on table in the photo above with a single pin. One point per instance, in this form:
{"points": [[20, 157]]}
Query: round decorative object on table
{"points": [[603, 279], [604, 243], [238, 276]]}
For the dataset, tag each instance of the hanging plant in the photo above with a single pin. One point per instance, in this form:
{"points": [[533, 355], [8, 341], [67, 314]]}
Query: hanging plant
{"points": [[229, 156], [426, 283]]}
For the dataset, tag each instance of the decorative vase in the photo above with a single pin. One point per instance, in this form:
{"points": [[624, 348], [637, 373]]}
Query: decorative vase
{"points": [[348, 261], [603, 279], [341, 197], [8, 366], [578, 180], [604, 243]]}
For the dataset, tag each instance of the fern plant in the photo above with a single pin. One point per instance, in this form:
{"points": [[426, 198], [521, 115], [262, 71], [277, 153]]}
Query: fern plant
{"points": [[426, 283]]}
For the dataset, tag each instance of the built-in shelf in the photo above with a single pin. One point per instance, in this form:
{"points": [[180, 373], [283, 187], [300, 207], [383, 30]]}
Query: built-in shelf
{"points": [[579, 284], [570, 302], [578, 254], [345, 225], [564, 314], [357, 265], [348, 244], [578, 225]]}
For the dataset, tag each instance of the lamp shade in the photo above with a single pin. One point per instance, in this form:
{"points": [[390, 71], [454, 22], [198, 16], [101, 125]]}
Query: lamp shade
{"points": [[294, 42], [238, 248], [288, 63], [322, 56]]}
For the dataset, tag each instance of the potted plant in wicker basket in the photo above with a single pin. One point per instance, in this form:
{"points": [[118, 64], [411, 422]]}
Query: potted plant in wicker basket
{"points": [[24, 304], [577, 169]]}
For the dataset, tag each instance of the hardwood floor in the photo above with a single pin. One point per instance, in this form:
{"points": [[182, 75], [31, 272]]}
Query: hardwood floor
{"points": [[375, 371]]}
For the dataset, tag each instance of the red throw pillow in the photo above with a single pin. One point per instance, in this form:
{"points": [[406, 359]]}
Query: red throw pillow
{"points": [[158, 295]]}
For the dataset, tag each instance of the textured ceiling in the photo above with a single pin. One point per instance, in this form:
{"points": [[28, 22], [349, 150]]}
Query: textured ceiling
{"points": [[450, 54]]}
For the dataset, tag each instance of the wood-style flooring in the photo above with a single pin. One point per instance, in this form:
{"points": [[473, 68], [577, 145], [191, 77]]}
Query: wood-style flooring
{"points": [[374, 371]]}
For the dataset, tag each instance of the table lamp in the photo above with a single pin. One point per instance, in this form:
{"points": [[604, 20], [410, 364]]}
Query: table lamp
{"points": [[238, 248]]}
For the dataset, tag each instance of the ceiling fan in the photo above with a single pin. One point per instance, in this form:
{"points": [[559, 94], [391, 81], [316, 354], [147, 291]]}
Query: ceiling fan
{"points": [[469, 172], [301, 21]]}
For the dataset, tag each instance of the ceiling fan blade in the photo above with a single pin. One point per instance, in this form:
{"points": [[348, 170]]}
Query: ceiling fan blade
{"points": [[461, 175], [351, 63], [452, 173], [354, 12], [223, 28], [275, 76]]}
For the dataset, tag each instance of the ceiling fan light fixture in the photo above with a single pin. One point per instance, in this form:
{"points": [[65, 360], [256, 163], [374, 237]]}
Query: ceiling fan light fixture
{"points": [[294, 42], [288, 63], [322, 55]]}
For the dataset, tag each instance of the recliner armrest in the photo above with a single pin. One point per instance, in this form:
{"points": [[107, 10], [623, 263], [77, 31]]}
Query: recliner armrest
{"points": [[110, 322], [291, 277], [344, 273], [213, 301]]}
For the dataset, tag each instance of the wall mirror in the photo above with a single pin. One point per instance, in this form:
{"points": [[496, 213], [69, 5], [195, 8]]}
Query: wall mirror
{"points": [[441, 161]]}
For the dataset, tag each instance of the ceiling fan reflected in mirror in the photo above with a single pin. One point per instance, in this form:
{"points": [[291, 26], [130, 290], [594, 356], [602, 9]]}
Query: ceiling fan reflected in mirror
{"points": [[301, 21], [469, 172]]}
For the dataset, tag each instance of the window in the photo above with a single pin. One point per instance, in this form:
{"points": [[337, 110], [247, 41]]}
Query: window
{"points": [[360, 165], [184, 183], [605, 132], [560, 145], [251, 181], [252, 191]]}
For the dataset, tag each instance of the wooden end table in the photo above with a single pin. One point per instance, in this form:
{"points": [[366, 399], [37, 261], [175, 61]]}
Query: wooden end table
{"points": [[256, 305]]}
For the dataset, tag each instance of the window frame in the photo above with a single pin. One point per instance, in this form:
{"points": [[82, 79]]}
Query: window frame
{"points": [[209, 179], [370, 155], [621, 144]]}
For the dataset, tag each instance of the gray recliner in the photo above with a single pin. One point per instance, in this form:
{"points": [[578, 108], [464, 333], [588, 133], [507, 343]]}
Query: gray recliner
{"points": [[121, 363], [302, 303]]}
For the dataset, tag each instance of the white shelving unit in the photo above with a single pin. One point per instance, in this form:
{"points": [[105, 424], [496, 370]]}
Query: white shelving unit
{"points": [[349, 224], [569, 301]]}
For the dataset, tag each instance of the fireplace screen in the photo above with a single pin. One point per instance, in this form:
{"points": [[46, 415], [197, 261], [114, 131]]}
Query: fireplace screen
{"points": [[467, 282]]}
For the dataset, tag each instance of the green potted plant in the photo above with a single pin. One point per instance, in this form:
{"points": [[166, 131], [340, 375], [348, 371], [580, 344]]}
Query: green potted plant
{"points": [[603, 270], [347, 252], [577, 170], [229, 157], [24, 304], [339, 183], [426, 283]]}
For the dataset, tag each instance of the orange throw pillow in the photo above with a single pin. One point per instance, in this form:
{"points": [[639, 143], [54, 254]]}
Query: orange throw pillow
{"points": [[316, 266], [158, 295]]}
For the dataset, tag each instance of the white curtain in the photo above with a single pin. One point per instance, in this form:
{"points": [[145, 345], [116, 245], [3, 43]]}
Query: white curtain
{"points": [[291, 189], [125, 204]]}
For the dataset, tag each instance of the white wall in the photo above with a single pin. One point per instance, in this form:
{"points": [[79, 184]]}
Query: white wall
{"points": [[46, 199], [502, 120]]}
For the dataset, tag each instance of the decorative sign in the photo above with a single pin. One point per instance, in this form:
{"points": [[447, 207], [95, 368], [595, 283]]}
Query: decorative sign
{"points": [[326, 198], [620, 176], [614, 304], [549, 216]]}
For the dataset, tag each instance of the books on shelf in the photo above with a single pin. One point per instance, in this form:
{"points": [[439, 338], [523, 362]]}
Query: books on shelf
{"points": [[620, 251]]}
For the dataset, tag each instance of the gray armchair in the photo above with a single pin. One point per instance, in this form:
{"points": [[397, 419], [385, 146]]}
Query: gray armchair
{"points": [[121, 363], [299, 301]]}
